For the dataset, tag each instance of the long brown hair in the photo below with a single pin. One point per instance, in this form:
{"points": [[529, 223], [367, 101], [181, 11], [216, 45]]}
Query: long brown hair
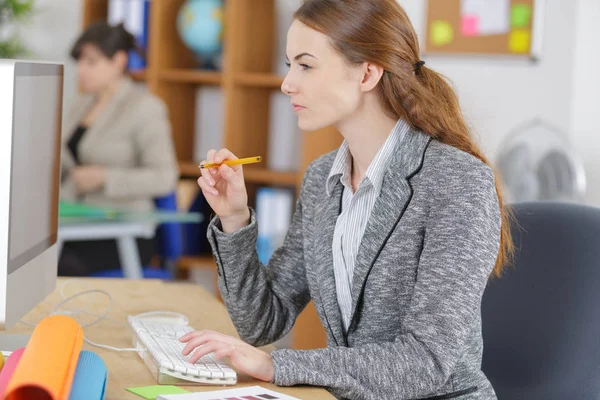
{"points": [[379, 31]]}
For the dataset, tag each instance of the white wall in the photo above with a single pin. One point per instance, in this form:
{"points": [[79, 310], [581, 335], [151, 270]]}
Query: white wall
{"points": [[498, 94], [563, 88], [50, 34], [586, 93]]}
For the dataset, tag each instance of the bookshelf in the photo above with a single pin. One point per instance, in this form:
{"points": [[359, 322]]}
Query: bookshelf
{"points": [[247, 82]]}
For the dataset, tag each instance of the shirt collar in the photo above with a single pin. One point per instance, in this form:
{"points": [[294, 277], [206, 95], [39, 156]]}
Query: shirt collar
{"points": [[341, 167], [342, 164]]}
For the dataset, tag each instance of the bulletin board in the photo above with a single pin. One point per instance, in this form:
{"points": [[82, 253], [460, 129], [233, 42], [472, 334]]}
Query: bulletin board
{"points": [[494, 27]]}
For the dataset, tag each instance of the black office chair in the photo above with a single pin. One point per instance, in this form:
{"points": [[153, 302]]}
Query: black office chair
{"points": [[541, 320]]}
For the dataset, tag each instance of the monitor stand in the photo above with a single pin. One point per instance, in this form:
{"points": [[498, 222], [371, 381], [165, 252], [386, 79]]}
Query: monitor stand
{"points": [[10, 342]]}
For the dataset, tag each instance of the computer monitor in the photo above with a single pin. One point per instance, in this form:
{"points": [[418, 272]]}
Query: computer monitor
{"points": [[31, 97]]}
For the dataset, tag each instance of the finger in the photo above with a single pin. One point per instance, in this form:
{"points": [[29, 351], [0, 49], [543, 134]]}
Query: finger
{"points": [[225, 154], [200, 339], [206, 349], [224, 352], [203, 350], [210, 156], [207, 190], [188, 336], [231, 176], [193, 334], [206, 175]]}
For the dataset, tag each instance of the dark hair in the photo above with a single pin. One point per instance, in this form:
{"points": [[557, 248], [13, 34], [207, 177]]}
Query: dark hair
{"points": [[380, 31], [109, 39]]}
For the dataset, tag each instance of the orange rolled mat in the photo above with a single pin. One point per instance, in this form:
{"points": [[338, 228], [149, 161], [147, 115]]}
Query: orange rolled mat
{"points": [[48, 364]]}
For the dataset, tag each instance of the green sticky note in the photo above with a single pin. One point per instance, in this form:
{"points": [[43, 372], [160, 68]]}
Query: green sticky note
{"points": [[520, 15], [441, 33], [152, 392]]}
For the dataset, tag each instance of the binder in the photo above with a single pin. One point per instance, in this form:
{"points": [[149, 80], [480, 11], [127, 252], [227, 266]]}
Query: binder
{"points": [[134, 14], [274, 209]]}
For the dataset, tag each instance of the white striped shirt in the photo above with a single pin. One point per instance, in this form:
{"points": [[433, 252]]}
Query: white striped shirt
{"points": [[356, 210]]}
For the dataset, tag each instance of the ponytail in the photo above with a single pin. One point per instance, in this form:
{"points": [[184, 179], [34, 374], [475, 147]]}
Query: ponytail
{"points": [[425, 100]]}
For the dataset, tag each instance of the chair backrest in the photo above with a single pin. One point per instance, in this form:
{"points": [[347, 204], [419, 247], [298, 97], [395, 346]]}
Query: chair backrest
{"points": [[169, 235], [541, 320], [195, 240]]}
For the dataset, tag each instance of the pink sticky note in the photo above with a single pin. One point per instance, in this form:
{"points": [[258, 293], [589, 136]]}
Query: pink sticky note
{"points": [[470, 25]]}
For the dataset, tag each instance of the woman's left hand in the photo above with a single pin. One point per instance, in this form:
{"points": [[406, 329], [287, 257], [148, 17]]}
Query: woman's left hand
{"points": [[244, 358]]}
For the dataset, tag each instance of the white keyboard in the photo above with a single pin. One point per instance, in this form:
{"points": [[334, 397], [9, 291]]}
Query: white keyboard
{"points": [[161, 349]]}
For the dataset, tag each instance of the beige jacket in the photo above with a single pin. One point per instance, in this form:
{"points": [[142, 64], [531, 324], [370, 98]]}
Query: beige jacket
{"points": [[132, 139]]}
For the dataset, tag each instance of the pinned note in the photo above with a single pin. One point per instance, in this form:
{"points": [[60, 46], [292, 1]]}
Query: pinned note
{"points": [[492, 16], [470, 25], [152, 392], [519, 41], [441, 33], [520, 15]]}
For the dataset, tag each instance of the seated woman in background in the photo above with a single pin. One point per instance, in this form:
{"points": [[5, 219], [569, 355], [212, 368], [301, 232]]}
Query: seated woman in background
{"points": [[117, 145]]}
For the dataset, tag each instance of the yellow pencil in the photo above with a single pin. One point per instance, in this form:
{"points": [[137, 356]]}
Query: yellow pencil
{"points": [[248, 160]]}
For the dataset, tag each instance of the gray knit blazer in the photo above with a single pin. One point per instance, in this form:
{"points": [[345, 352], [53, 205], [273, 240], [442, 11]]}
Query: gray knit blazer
{"points": [[425, 258]]}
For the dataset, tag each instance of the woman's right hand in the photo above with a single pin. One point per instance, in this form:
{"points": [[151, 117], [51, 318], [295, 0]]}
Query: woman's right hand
{"points": [[225, 190]]}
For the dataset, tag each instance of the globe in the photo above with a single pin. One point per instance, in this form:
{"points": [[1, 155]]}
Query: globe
{"points": [[200, 25]]}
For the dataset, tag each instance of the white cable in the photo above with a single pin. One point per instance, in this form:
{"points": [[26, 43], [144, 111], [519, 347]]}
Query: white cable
{"points": [[68, 299], [64, 284], [77, 311], [84, 311], [105, 346]]}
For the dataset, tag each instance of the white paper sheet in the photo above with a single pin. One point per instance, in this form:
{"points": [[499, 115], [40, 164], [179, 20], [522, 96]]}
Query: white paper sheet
{"points": [[493, 15], [247, 393]]}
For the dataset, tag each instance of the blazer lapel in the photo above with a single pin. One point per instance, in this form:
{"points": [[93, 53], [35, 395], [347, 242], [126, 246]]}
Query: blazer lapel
{"points": [[102, 125], [389, 207], [326, 214], [79, 107]]}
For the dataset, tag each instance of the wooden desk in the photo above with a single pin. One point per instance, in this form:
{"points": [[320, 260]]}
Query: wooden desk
{"points": [[133, 297]]}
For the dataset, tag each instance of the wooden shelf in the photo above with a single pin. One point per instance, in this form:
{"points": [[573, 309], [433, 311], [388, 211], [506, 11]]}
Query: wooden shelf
{"points": [[139, 75], [189, 170], [245, 120], [195, 262], [251, 79], [191, 76], [269, 177], [251, 174]]}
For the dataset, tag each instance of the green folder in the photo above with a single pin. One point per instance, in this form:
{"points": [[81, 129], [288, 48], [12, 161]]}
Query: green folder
{"points": [[68, 209], [77, 213]]}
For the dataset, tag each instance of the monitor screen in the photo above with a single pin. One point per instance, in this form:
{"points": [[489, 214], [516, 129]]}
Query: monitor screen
{"points": [[35, 168]]}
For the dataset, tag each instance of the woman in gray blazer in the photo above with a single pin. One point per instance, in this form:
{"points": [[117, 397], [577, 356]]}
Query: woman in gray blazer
{"points": [[394, 236], [117, 146]]}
